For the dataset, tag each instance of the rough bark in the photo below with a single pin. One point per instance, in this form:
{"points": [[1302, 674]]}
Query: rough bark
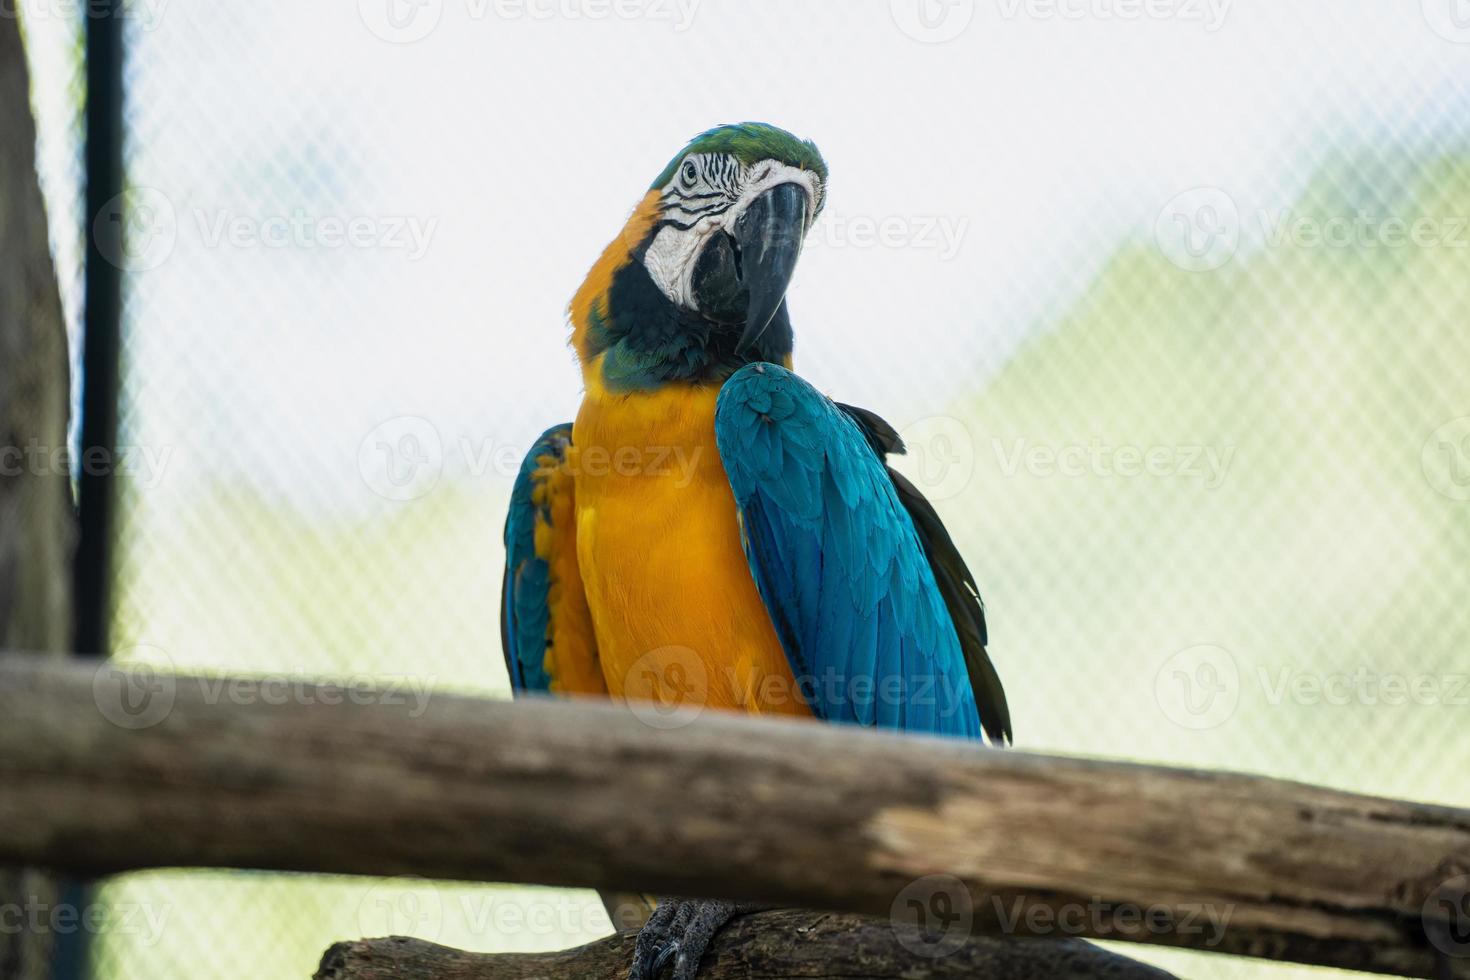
{"points": [[778, 945], [35, 502], [209, 772], [35, 496]]}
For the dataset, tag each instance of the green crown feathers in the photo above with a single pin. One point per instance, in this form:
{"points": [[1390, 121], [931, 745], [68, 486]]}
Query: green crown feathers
{"points": [[748, 143]]}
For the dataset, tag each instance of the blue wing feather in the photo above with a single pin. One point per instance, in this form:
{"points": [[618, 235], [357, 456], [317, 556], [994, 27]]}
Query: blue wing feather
{"points": [[838, 561], [525, 609]]}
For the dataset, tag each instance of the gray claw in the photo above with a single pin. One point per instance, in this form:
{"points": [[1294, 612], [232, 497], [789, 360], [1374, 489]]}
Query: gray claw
{"points": [[663, 957], [679, 930]]}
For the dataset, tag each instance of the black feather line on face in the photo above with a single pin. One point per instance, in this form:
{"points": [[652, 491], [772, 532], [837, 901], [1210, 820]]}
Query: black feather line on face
{"points": [[679, 196], [706, 211], [672, 222]]}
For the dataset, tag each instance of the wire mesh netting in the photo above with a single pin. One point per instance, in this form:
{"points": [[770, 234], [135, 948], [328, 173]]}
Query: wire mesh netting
{"points": [[1170, 306]]}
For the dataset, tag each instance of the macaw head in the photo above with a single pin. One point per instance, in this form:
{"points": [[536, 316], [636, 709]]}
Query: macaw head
{"points": [[695, 284]]}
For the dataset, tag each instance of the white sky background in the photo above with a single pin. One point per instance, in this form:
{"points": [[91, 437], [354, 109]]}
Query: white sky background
{"points": [[518, 134]]}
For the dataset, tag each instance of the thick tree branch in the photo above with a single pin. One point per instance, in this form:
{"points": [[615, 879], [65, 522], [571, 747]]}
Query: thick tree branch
{"points": [[35, 500], [769, 946], [35, 493], [241, 774]]}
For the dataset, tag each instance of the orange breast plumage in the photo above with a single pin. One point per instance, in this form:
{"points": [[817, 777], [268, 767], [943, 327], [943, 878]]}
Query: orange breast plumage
{"points": [[677, 615]]}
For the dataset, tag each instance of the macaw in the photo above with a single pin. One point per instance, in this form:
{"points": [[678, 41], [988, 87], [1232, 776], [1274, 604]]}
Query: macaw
{"points": [[711, 528]]}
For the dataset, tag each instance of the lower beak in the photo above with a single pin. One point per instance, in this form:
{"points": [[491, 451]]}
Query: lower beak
{"points": [[769, 235]]}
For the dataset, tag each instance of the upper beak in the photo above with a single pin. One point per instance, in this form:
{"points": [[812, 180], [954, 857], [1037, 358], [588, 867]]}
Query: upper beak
{"points": [[769, 234]]}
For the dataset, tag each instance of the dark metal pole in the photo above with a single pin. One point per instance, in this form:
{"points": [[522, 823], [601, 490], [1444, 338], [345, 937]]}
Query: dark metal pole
{"points": [[101, 324], [105, 215]]}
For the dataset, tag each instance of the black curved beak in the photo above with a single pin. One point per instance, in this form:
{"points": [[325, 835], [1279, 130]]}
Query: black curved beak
{"points": [[769, 236]]}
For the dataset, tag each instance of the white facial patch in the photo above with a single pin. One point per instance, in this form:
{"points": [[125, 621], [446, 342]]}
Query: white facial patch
{"points": [[707, 195]]}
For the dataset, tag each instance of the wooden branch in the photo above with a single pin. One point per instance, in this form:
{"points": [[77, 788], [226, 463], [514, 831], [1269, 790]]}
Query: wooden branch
{"points": [[299, 777], [36, 529], [769, 946]]}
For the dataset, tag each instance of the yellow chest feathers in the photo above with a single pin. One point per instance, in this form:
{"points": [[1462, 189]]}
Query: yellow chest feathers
{"points": [[648, 477], [658, 543]]}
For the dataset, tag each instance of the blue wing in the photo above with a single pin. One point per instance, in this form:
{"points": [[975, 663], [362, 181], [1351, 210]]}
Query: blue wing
{"points": [[545, 627], [839, 562], [525, 612]]}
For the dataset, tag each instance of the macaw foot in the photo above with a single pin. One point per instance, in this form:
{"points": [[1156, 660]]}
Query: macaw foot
{"points": [[678, 933]]}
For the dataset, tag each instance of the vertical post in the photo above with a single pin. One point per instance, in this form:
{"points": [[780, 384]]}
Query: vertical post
{"points": [[105, 217], [101, 320]]}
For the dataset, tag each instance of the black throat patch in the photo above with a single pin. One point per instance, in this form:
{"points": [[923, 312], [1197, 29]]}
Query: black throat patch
{"points": [[649, 342]]}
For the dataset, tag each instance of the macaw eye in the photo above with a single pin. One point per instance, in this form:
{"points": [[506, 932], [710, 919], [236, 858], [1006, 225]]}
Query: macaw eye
{"points": [[689, 172]]}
